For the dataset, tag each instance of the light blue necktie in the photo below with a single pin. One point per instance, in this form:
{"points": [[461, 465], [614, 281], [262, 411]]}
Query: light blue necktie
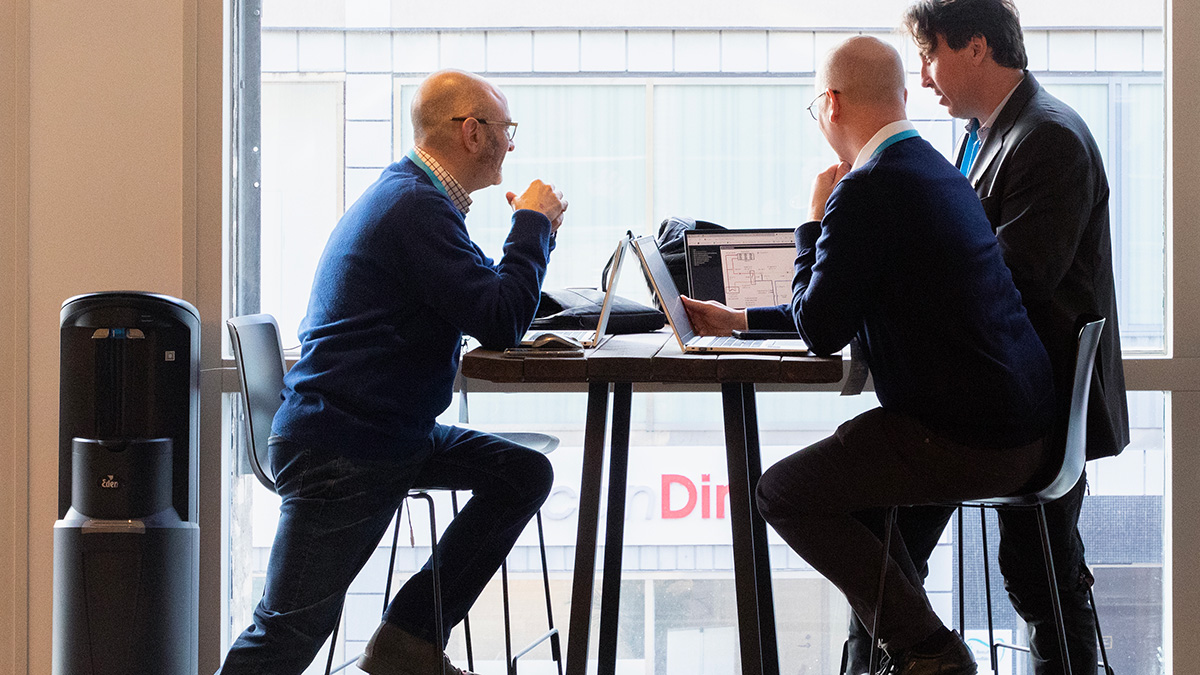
{"points": [[971, 151]]}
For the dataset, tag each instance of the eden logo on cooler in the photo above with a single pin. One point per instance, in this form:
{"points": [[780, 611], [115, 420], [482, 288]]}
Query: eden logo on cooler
{"points": [[110, 482]]}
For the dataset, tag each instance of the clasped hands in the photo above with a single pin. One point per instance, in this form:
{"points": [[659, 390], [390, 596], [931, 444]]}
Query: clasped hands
{"points": [[544, 199]]}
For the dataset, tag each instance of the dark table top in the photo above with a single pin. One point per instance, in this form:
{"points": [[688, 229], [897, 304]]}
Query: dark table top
{"points": [[650, 357]]}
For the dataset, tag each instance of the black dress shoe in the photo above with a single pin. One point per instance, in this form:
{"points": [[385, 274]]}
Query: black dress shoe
{"points": [[392, 651], [954, 659]]}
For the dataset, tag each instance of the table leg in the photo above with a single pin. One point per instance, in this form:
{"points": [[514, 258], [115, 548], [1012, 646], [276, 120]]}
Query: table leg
{"points": [[762, 557], [751, 560], [589, 527], [614, 541]]}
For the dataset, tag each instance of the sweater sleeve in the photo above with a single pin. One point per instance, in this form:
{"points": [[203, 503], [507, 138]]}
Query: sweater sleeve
{"points": [[493, 302], [775, 317]]}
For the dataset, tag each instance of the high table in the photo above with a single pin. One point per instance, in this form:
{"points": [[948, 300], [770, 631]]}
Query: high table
{"points": [[617, 364]]}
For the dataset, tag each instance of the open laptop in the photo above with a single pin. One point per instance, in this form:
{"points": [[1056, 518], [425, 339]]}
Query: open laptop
{"points": [[668, 296], [585, 338], [741, 268]]}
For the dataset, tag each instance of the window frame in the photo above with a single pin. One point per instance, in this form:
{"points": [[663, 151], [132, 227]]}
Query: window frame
{"points": [[1176, 371]]}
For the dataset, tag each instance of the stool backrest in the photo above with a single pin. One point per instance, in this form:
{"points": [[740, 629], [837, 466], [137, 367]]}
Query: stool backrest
{"points": [[258, 353], [1075, 451]]}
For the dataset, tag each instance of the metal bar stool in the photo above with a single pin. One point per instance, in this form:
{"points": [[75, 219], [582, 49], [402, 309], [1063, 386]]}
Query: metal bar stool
{"points": [[1056, 479], [258, 353]]}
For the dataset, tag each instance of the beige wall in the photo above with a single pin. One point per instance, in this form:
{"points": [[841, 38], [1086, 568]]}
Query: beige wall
{"points": [[1183, 440], [110, 177], [112, 156], [13, 357]]}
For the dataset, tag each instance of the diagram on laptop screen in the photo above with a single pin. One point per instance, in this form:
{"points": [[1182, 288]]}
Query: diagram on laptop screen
{"points": [[757, 276]]}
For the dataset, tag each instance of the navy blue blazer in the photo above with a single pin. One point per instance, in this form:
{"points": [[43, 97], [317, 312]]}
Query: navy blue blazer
{"points": [[1041, 179], [906, 260]]}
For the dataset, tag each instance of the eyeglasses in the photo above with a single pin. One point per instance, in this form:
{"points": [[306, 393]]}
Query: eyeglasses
{"points": [[510, 128], [810, 110]]}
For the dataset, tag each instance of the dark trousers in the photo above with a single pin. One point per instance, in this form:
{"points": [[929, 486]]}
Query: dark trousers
{"points": [[1024, 580], [828, 502], [336, 509]]}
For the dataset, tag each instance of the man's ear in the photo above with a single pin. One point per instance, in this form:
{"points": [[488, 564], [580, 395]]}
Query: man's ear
{"points": [[470, 135], [978, 49], [835, 106]]}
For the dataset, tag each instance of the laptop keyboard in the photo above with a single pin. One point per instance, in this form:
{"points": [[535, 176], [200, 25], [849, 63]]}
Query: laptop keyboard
{"points": [[729, 342], [580, 335]]}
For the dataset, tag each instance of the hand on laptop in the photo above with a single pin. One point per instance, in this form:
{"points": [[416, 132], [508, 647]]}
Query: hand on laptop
{"points": [[542, 198], [709, 317]]}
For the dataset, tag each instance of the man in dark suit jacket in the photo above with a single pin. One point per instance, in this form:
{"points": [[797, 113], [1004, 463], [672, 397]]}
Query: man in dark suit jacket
{"points": [[1039, 174], [899, 254]]}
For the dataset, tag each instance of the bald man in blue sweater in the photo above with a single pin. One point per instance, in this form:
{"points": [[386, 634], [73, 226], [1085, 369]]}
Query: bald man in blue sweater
{"points": [[399, 284]]}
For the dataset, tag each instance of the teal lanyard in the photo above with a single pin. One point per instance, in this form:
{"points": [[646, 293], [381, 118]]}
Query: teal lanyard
{"points": [[893, 139]]}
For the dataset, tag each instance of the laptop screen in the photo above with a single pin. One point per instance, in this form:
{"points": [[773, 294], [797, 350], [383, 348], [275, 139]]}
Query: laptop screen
{"points": [[741, 268], [656, 270], [610, 289]]}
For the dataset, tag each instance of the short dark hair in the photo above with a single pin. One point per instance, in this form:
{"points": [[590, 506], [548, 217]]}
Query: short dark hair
{"points": [[958, 21]]}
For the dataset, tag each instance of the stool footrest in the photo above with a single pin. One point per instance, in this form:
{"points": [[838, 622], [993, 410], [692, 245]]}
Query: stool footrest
{"points": [[1017, 648], [546, 636]]}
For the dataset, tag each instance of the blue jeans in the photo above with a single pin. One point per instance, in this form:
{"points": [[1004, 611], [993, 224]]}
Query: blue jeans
{"points": [[336, 509]]}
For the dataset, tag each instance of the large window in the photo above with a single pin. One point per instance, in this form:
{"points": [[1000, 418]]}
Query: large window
{"points": [[636, 125]]}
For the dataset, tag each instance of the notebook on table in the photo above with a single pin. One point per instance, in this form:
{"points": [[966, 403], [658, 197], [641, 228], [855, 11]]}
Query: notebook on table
{"points": [[585, 338], [741, 268], [668, 296]]}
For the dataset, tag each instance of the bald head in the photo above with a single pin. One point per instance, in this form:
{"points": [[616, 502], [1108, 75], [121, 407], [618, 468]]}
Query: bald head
{"points": [[867, 71], [451, 93]]}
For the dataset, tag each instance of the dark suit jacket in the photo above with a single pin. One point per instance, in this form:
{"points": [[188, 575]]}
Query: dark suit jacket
{"points": [[1042, 183]]}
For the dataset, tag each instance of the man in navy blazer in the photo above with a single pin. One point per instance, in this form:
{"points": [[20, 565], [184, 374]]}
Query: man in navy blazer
{"points": [[899, 254], [1041, 179]]}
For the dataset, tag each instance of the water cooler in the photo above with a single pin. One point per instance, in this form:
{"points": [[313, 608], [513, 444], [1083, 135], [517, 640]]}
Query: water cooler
{"points": [[126, 545]]}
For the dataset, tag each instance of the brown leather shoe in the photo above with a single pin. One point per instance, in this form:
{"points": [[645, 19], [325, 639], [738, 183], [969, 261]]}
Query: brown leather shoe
{"points": [[392, 651], [954, 659]]}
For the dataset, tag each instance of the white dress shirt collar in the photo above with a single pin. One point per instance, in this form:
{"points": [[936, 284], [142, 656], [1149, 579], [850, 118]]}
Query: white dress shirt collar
{"points": [[880, 136], [986, 125]]}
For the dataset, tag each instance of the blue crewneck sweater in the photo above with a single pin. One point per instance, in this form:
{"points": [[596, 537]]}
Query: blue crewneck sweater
{"points": [[399, 283]]}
